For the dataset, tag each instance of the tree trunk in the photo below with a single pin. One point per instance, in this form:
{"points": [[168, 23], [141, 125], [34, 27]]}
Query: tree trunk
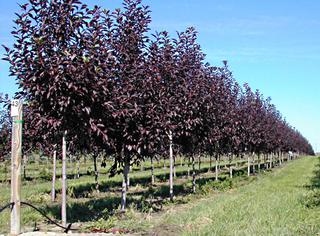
{"points": [[210, 165], [64, 181], [279, 157], [253, 163], [188, 166], [152, 171], [248, 165], [53, 189], [25, 160], [124, 185], [271, 161], [193, 175], [96, 173], [174, 167], [230, 166], [259, 162], [199, 163], [128, 176], [78, 168], [171, 166], [216, 168]]}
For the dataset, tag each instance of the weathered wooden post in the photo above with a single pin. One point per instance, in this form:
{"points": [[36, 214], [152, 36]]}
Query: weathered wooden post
{"points": [[16, 153], [64, 181]]}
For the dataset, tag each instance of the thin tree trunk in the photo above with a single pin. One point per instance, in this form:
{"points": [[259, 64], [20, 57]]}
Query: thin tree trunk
{"points": [[124, 186], [271, 161], [171, 166], [53, 189], [253, 163], [248, 165], [230, 166], [128, 176], [64, 181], [216, 168], [193, 175], [188, 166], [96, 173], [78, 168], [210, 165], [174, 167], [152, 171], [199, 163], [279, 157], [259, 163]]}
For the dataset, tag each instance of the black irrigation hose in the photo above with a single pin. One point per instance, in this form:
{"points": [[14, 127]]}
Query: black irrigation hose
{"points": [[6, 206], [66, 229]]}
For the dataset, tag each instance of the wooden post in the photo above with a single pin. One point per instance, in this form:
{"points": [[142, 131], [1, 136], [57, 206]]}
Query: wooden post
{"points": [[171, 165], [53, 190], [16, 153], [64, 181]]}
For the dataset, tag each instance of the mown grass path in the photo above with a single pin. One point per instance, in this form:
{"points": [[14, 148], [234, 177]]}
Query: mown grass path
{"points": [[274, 204]]}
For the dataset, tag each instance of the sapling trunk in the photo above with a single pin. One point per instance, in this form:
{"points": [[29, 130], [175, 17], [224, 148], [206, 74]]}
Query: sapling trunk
{"points": [[210, 165], [259, 162], [248, 156], [253, 163], [193, 175], [152, 171], [78, 168], [64, 181], [279, 157], [53, 189], [171, 166], [216, 168], [199, 163], [127, 166], [124, 188], [188, 166], [96, 173], [230, 166], [174, 167], [25, 160]]}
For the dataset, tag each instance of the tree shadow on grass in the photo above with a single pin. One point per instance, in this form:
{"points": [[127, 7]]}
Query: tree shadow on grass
{"points": [[94, 209], [149, 198]]}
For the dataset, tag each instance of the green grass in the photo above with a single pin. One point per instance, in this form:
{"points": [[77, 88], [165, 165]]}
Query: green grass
{"points": [[99, 210], [84, 203], [274, 204]]}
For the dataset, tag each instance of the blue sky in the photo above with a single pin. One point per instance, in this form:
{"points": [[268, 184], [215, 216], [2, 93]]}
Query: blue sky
{"points": [[271, 44]]}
